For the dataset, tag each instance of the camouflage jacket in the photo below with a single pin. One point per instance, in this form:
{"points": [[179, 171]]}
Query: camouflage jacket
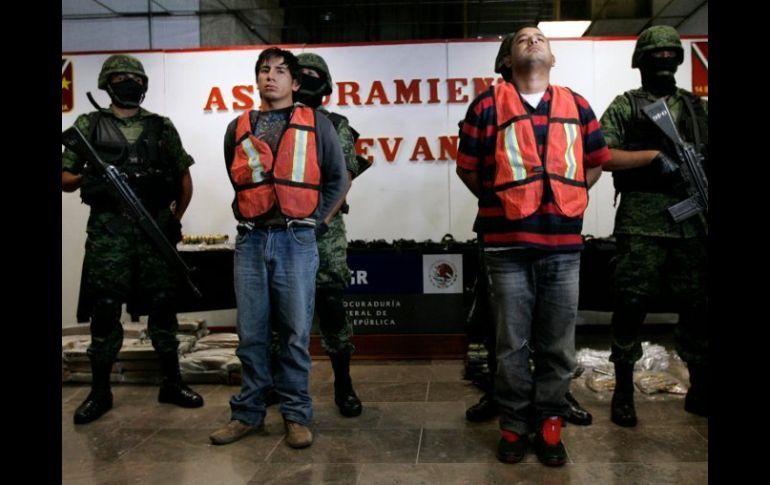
{"points": [[645, 213], [131, 129], [346, 142]]}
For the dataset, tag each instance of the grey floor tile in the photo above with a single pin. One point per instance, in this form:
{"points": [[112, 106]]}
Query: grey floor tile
{"points": [[324, 391], [413, 430], [454, 391], [391, 391], [465, 474], [390, 373], [703, 431], [461, 446], [374, 391], [321, 371], [643, 473], [431, 415], [354, 446], [85, 450], [662, 444], [221, 471], [280, 474], [193, 446], [446, 372], [74, 392], [327, 415]]}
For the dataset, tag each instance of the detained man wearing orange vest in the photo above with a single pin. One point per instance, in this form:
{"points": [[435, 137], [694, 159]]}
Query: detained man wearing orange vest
{"points": [[288, 173], [529, 150]]}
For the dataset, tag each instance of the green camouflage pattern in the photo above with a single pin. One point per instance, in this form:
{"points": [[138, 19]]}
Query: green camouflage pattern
{"points": [[120, 63], [655, 267], [657, 37], [114, 246], [346, 142], [131, 129], [673, 269], [314, 61], [336, 333], [113, 241], [103, 351], [333, 270], [645, 213]]}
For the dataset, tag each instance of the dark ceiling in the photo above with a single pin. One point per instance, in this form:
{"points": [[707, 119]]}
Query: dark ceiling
{"points": [[320, 21]]}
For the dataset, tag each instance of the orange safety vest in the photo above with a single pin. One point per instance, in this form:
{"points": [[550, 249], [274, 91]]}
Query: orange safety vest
{"points": [[292, 178], [519, 170]]}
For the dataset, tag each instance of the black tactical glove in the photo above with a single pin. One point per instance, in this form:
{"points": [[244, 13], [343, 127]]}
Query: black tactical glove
{"points": [[664, 165], [94, 189], [667, 169], [173, 230]]}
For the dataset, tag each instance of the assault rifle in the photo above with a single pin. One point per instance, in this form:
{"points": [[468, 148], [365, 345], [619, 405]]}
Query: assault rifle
{"points": [[690, 167], [74, 140]]}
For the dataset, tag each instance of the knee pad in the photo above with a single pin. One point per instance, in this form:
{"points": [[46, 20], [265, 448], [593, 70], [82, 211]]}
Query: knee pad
{"points": [[105, 316], [162, 312], [163, 302]]}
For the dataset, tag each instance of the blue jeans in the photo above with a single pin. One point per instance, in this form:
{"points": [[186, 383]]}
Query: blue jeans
{"points": [[274, 274], [534, 296]]}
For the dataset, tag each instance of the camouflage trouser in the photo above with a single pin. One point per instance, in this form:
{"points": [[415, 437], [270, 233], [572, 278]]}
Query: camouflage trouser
{"points": [[120, 262], [333, 271], [676, 268], [332, 278]]}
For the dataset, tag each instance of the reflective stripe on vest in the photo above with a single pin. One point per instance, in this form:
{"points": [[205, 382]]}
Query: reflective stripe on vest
{"points": [[519, 170], [250, 171], [297, 173]]}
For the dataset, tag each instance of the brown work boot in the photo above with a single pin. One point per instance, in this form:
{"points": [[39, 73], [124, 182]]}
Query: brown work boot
{"points": [[234, 431], [298, 435]]}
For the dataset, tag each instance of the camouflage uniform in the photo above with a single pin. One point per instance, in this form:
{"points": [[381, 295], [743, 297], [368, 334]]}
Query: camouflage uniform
{"points": [[656, 256], [333, 270], [333, 273], [120, 264]]}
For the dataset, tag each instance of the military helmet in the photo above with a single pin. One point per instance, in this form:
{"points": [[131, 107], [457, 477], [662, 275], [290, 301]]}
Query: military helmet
{"points": [[655, 38], [314, 61], [505, 50], [120, 63]]}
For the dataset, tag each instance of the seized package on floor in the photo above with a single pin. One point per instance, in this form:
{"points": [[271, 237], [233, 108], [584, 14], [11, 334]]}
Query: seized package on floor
{"points": [[137, 361], [651, 372]]}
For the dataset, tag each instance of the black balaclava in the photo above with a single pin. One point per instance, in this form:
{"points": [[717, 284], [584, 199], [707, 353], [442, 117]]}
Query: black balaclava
{"points": [[658, 74], [127, 93], [311, 91]]}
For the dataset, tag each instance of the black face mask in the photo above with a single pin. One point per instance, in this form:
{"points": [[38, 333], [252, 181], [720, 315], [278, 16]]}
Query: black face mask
{"points": [[310, 91], [127, 93], [658, 74]]}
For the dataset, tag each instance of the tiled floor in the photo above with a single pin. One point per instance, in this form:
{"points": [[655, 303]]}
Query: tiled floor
{"points": [[413, 430]]}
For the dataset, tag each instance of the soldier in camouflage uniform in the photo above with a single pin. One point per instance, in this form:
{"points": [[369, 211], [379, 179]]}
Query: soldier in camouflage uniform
{"points": [[656, 256], [120, 262], [333, 272]]}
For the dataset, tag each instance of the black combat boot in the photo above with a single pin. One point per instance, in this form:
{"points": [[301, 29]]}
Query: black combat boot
{"points": [[99, 400], [344, 396], [172, 389], [577, 414], [697, 399], [484, 410], [622, 408]]}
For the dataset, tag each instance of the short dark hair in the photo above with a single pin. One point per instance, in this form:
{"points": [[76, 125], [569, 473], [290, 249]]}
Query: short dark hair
{"points": [[288, 58], [528, 25]]}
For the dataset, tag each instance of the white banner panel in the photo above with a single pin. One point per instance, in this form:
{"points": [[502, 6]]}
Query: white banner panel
{"points": [[404, 98]]}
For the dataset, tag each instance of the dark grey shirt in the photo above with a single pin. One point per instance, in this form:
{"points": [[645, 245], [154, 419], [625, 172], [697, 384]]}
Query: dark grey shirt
{"points": [[270, 126]]}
